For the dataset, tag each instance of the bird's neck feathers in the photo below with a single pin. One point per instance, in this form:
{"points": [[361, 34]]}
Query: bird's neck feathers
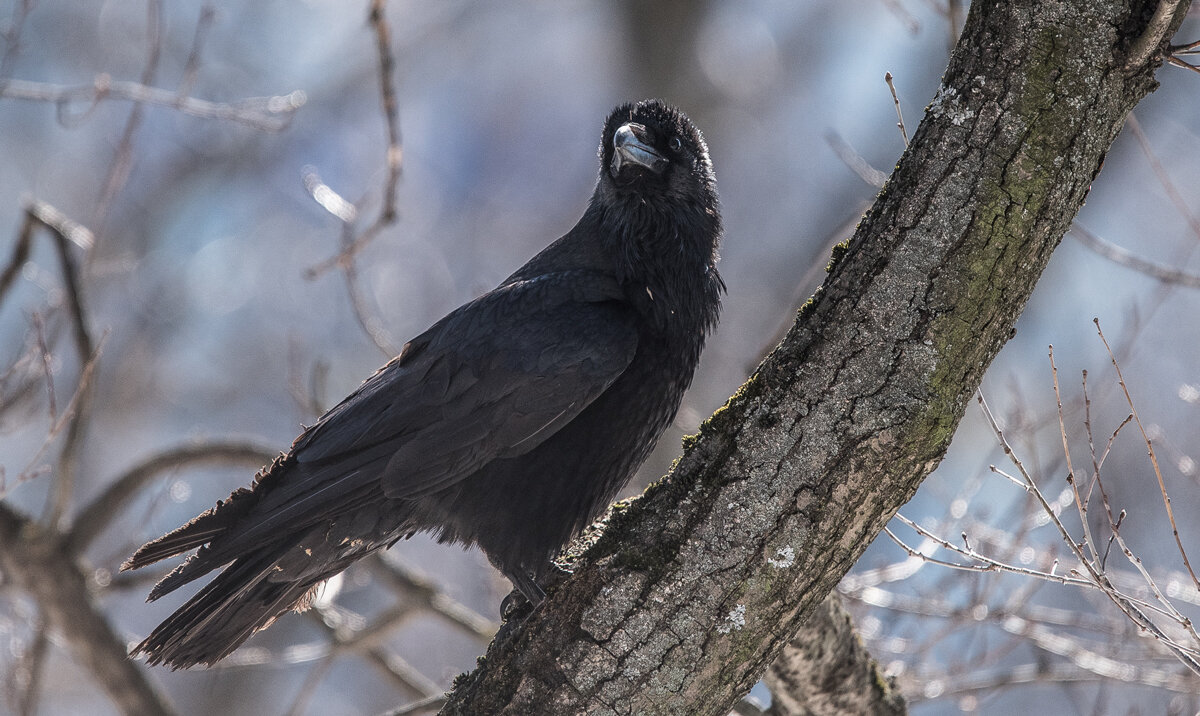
{"points": [[665, 257]]}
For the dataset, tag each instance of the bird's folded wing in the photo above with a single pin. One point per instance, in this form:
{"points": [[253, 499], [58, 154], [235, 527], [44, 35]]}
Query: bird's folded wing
{"points": [[492, 380]]}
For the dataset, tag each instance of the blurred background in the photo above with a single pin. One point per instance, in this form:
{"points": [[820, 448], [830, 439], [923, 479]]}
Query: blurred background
{"points": [[212, 291]]}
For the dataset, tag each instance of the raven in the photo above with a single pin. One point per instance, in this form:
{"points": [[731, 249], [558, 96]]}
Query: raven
{"points": [[509, 424]]}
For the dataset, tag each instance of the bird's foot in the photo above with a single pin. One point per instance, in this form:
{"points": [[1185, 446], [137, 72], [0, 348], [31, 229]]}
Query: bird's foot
{"points": [[515, 607]]}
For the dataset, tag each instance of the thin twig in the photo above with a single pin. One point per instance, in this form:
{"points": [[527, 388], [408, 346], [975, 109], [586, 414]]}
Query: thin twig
{"points": [[391, 665], [937, 606], [418, 590], [63, 233], [309, 686], [191, 70], [1097, 462], [66, 233], [35, 667], [986, 564], [107, 506], [370, 324], [887, 77], [1130, 607], [1080, 504], [429, 703], [307, 387], [31, 555], [1176, 62], [1181, 204], [394, 155], [1115, 523], [1153, 458], [1111, 438], [39, 330], [122, 161], [855, 162], [1125, 257], [20, 254], [68, 414], [1087, 429], [346, 212], [1111, 538], [906, 18], [954, 21], [1189, 48], [13, 39], [391, 112], [268, 114]]}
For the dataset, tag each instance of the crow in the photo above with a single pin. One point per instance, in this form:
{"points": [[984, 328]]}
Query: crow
{"points": [[509, 424]]}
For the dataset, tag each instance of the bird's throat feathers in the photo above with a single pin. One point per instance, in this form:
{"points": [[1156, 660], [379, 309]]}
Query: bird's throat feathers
{"points": [[666, 259]]}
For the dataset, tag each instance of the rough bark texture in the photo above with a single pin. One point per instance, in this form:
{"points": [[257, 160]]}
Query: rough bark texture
{"points": [[692, 590], [36, 560], [826, 671]]}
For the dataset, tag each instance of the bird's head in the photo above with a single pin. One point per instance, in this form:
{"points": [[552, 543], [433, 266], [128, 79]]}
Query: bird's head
{"points": [[653, 151]]}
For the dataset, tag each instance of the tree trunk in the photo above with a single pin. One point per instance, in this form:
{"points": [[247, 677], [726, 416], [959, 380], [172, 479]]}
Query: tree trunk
{"points": [[691, 591]]}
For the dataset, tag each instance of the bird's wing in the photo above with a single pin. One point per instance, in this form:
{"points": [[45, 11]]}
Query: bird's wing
{"points": [[494, 379]]}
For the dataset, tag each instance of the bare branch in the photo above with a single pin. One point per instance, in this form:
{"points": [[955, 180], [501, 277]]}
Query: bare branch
{"points": [[107, 506], [122, 161], [36, 560], [346, 212], [352, 244], [391, 112], [1132, 608], [1153, 458], [1080, 503], [191, 69], [39, 329], [68, 420], [1156, 34], [414, 588], [64, 233], [887, 77], [855, 161], [12, 38], [431, 703], [1182, 205], [34, 666], [268, 114], [1125, 257]]}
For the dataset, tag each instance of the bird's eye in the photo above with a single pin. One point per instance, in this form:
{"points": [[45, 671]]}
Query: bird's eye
{"points": [[675, 144]]}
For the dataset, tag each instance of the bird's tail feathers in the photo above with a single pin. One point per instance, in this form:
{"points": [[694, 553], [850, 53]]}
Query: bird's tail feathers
{"points": [[224, 614], [207, 526]]}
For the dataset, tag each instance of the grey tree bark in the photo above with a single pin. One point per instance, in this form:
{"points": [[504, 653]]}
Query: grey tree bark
{"points": [[679, 604]]}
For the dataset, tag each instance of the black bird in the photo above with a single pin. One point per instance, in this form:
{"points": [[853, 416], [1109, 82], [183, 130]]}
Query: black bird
{"points": [[509, 424]]}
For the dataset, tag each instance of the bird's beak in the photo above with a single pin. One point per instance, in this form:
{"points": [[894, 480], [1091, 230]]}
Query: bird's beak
{"points": [[630, 147]]}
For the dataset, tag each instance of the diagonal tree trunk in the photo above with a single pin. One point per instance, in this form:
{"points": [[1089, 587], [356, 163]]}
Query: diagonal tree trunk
{"points": [[692, 590]]}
